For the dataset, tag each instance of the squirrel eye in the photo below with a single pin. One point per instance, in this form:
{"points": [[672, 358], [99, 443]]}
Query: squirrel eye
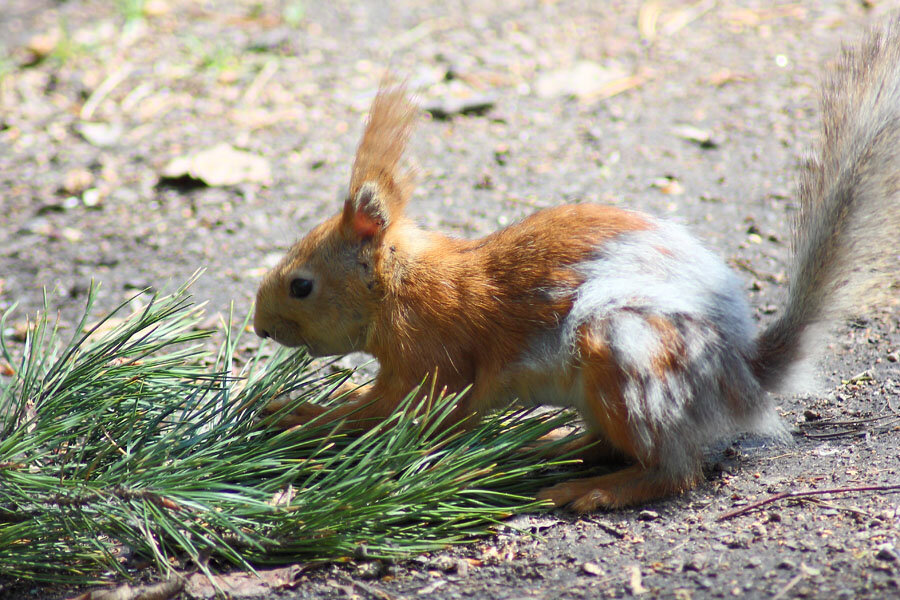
{"points": [[301, 288]]}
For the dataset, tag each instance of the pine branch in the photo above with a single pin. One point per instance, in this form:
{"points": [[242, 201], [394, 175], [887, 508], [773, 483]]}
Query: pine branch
{"points": [[123, 442]]}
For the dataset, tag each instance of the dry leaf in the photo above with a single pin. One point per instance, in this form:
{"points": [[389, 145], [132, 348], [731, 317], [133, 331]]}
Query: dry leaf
{"points": [[585, 80], [243, 584], [156, 591], [634, 580], [668, 185], [725, 75], [648, 17], [42, 44], [701, 137], [220, 165]]}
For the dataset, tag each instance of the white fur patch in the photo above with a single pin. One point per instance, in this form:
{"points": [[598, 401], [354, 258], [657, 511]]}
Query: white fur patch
{"points": [[709, 392]]}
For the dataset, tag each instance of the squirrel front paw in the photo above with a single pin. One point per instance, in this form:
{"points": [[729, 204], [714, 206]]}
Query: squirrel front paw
{"points": [[632, 485]]}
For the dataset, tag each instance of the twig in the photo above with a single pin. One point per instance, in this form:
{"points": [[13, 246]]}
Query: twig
{"points": [[790, 495], [608, 529], [259, 82], [855, 427], [790, 584], [848, 423], [847, 509], [103, 90]]}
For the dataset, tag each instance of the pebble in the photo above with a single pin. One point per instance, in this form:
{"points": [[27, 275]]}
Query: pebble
{"points": [[753, 562], [584, 80], [77, 180], [887, 553], [445, 108], [369, 570], [443, 563], [696, 563], [787, 565]]}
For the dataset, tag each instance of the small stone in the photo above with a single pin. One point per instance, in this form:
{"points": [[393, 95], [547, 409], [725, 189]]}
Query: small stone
{"points": [[701, 137], [77, 180], [648, 515], [696, 563], [759, 530], [102, 135], [740, 540], [462, 567], [442, 563], [786, 565], [893, 357], [369, 570], [592, 569], [43, 44], [71, 235], [91, 198], [668, 185], [887, 553], [706, 583]]}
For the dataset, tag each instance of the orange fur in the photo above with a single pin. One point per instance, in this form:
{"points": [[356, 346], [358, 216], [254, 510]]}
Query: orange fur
{"points": [[607, 412], [671, 355]]}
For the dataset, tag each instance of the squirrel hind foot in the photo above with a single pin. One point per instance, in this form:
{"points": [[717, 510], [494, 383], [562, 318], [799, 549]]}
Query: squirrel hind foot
{"points": [[632, 485]]}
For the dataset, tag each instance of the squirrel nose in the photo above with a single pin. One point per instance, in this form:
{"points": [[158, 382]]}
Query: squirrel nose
{"points": [[260, 332]]}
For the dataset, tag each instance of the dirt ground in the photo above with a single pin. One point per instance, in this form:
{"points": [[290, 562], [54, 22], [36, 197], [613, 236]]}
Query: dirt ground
{"points": [[697, 111]]}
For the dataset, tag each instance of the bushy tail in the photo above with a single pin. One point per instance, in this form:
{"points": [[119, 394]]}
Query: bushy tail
{"points": [[847, 235]]}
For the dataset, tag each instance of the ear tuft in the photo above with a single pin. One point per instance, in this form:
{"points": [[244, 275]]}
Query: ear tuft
{"points": [[379, 156], [366, 214]]}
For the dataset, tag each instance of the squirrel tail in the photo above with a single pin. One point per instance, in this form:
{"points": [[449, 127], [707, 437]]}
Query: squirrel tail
{"points": [[846, 236]]}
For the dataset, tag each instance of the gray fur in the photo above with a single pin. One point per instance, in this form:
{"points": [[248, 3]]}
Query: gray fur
{"points": [[665, 272], [846, 233]]}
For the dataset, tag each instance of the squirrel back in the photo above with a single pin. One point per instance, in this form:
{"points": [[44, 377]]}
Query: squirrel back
{"points": [[846, 237]]}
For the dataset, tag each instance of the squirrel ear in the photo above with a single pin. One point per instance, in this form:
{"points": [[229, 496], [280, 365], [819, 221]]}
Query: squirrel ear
{"points": [[366, 214]]}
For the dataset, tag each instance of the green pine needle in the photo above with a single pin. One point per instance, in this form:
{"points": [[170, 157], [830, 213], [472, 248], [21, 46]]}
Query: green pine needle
{"points": [[124, 443]]}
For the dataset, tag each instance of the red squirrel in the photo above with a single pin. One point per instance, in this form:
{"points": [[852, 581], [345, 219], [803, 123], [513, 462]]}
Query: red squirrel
{"points": [[620, 315]]}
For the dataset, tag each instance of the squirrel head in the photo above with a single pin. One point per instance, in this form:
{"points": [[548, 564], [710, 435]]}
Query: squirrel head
{"points": [[326, 290]]}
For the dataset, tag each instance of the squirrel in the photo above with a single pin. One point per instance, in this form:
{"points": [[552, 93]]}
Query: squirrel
{"points": [[620, 315]]}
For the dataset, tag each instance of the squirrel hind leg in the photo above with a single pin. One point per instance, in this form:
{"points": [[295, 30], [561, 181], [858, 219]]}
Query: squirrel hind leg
{"points": [[662, 464], [632, 485]]}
